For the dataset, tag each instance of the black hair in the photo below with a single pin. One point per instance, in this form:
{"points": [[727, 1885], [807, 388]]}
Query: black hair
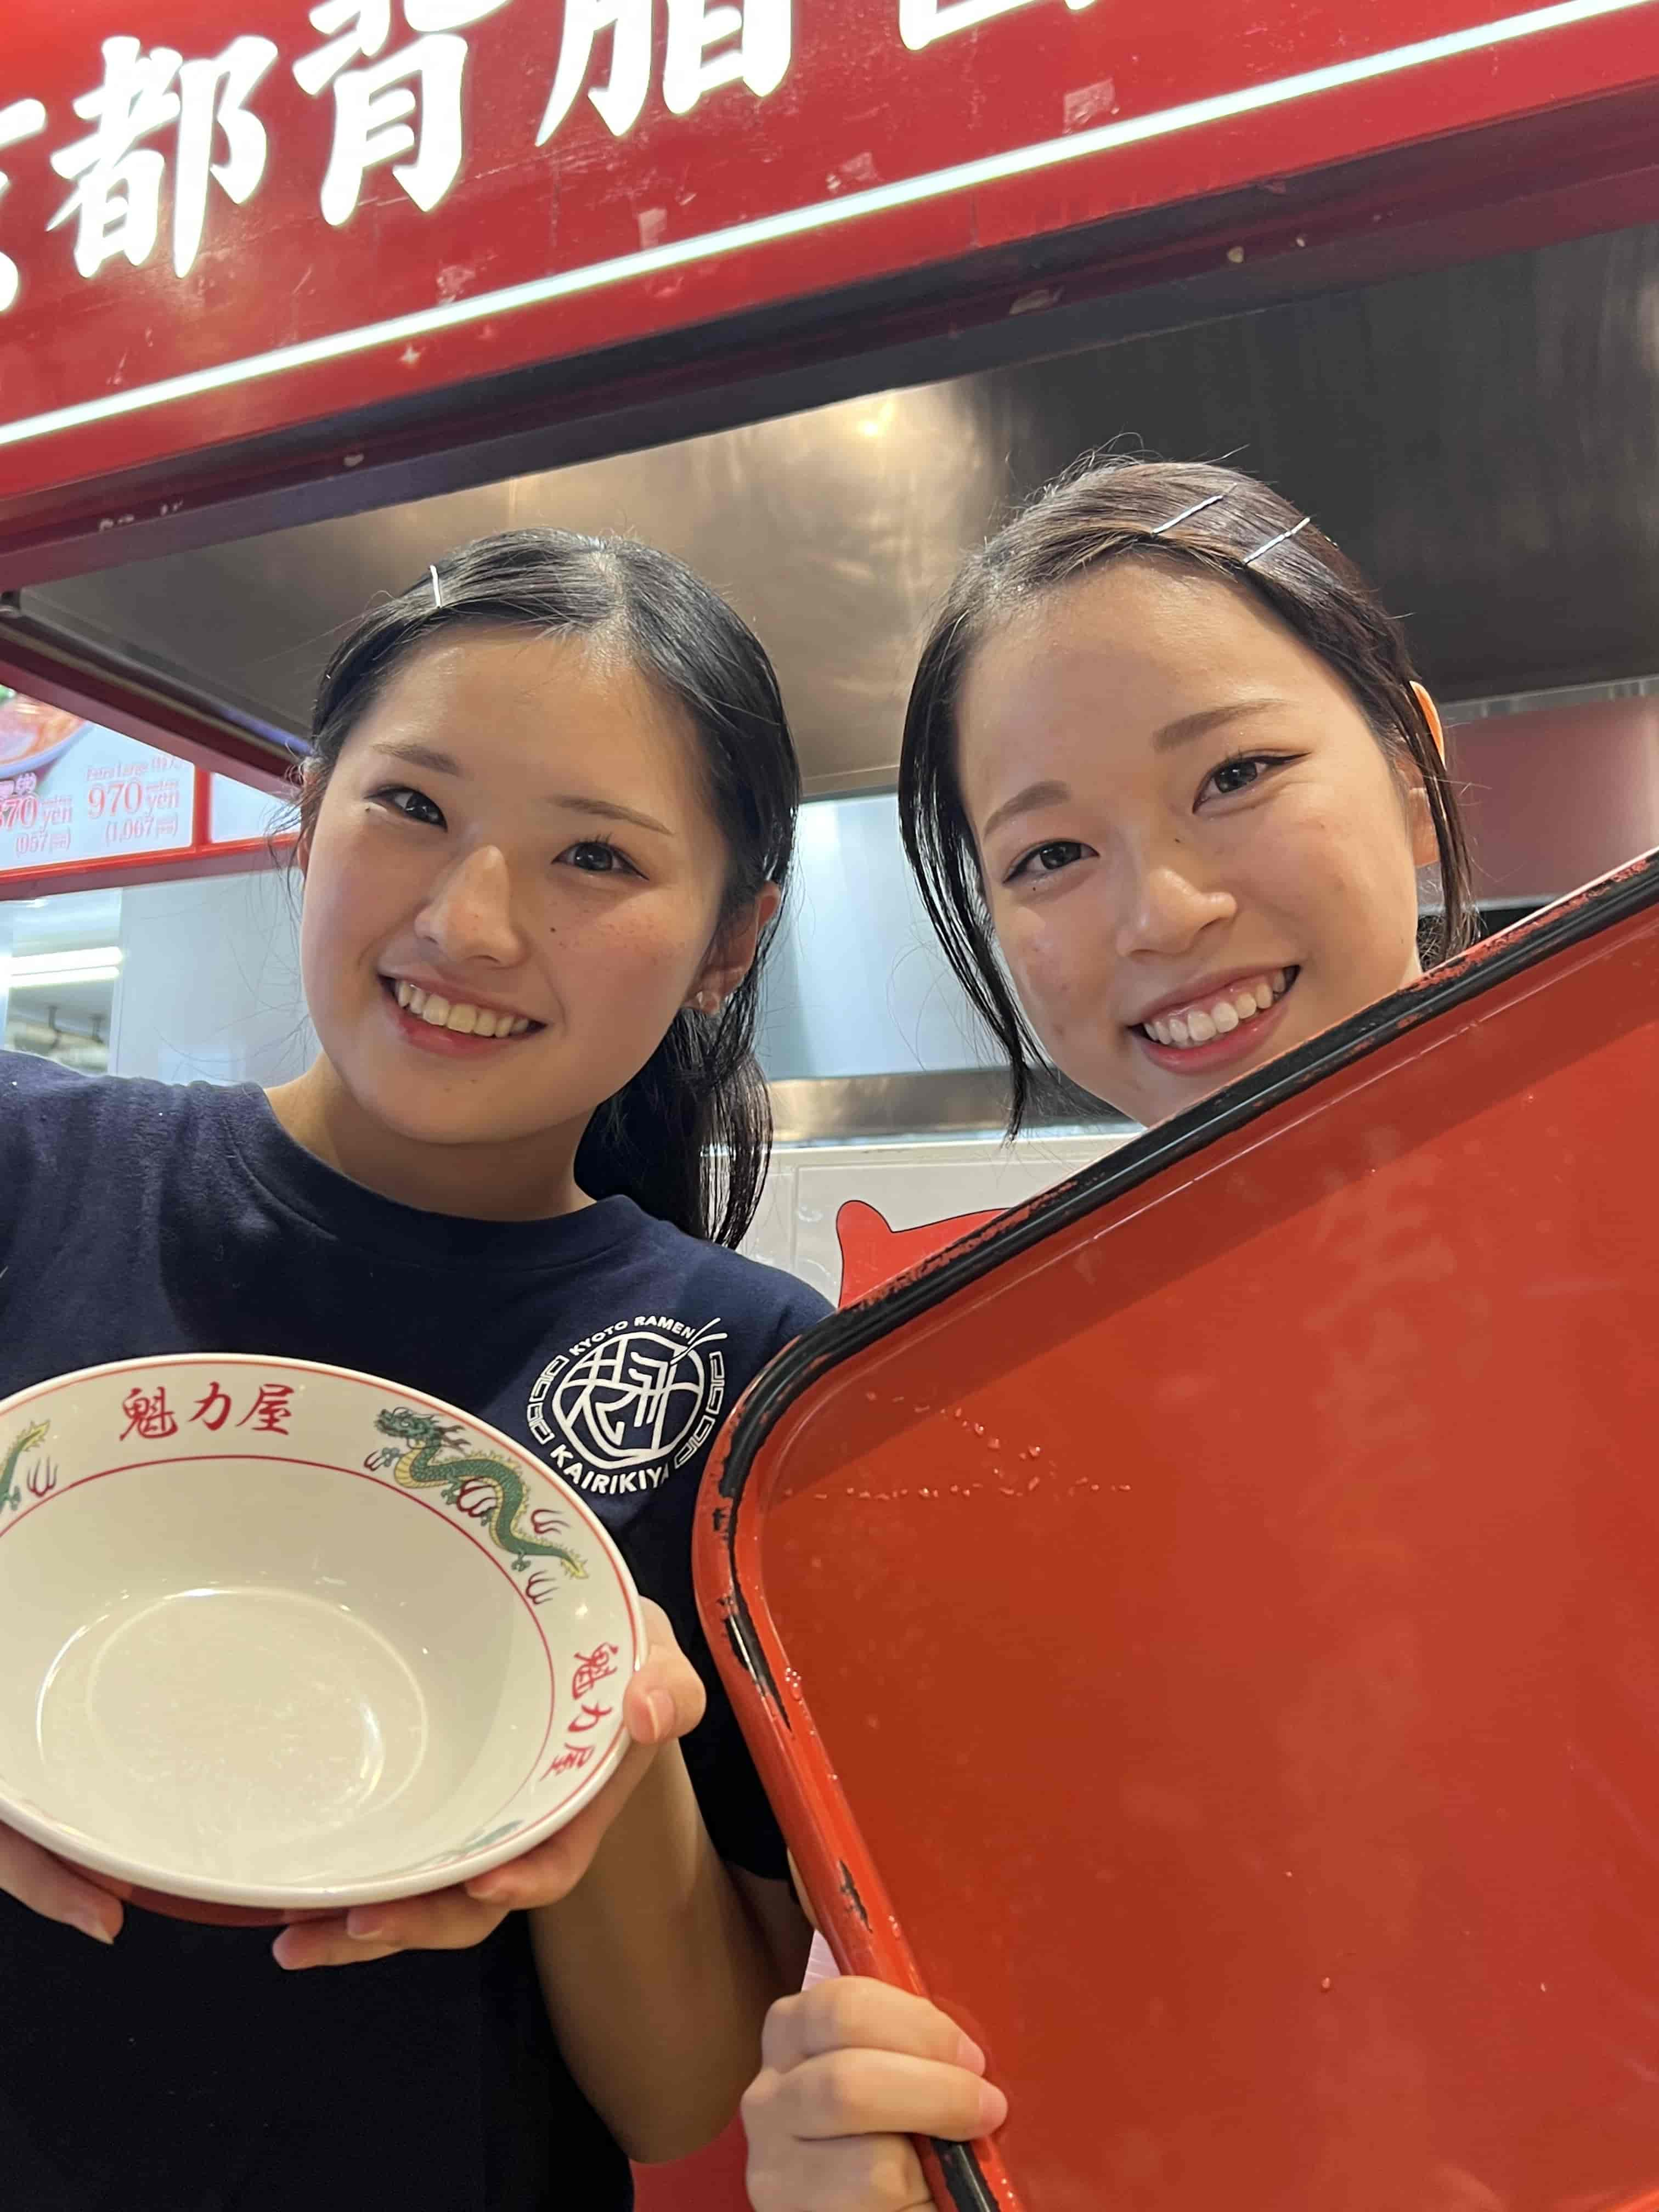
{"points": [[1212, 520], [688, 1138]]}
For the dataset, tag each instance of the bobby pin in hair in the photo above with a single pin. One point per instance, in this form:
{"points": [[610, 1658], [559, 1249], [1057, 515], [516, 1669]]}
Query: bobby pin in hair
{"points": [[1280, 540], [1187, 513], [437, 589]]}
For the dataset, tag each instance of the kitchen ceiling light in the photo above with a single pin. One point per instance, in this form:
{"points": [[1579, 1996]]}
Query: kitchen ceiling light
{"points": [[39, 971]]}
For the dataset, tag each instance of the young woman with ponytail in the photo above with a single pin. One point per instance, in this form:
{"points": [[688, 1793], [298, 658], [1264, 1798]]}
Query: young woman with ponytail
{"points": [[546, 829]]}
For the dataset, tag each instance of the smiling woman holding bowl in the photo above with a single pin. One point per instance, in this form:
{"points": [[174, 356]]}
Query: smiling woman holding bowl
{"points": [[545, 831]]}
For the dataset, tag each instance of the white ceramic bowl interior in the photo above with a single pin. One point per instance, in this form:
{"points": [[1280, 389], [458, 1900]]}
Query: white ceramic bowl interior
{"points": [[289, 1638]]}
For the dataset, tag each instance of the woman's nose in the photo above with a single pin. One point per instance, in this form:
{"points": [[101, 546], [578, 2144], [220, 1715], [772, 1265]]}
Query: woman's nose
{"points": [[468, 914], [1168, 910]]}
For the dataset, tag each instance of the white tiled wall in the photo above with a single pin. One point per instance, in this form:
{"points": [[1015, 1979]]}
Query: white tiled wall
{"points": [[209, 988]]}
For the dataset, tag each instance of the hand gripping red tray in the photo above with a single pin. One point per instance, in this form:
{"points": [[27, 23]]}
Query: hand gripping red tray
{"points": [[1204, 1630]]}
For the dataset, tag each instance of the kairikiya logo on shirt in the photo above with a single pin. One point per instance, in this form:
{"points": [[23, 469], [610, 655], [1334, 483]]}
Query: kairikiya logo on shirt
{"points": [[622, 1408]]}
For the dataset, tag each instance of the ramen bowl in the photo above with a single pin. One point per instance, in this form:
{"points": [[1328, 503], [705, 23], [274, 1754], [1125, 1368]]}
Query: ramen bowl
{"points": [[283, 1639], [32, 734]]}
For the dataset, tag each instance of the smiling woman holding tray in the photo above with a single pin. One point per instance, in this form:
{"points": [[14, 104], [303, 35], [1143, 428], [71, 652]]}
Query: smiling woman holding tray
{"points": [[545, 833], [1168, 787]]}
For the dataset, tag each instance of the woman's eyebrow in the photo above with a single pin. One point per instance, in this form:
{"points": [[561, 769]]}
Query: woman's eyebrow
{"points": [[413, 754], [608, 809], [1025, 802], [1212, 718]]}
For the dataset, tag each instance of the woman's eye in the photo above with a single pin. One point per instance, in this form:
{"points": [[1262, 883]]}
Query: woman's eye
{"points": [[1048, 859], [1241, 774], [413, 805], [598, 856]]}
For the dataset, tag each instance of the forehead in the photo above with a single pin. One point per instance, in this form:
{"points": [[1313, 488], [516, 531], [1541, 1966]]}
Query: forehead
{"points": [[517, 702], [1115, 656]]}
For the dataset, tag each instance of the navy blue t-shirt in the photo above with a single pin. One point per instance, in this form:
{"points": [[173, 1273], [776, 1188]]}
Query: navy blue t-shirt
{"points": [[181, 2066]]}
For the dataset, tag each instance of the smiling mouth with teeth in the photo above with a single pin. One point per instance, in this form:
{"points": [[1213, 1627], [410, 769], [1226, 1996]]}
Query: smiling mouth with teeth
{"points": [[1204, 1020], [440, 1013]]}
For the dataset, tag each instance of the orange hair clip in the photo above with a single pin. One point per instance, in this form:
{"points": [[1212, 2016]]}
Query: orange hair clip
{"points": [[1432, 716]]}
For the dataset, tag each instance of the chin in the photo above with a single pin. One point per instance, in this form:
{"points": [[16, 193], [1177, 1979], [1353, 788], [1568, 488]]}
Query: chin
{"points": [[424, 1111]]}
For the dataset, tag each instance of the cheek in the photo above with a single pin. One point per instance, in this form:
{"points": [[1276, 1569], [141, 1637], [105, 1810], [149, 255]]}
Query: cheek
{"points": [[1348, 884], [340, 897], [636, 959], [320, 920], [357, 898], [1056, 966]]}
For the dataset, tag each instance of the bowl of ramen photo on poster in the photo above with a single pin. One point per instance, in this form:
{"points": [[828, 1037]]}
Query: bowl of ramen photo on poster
{"points": [[31, 734]]}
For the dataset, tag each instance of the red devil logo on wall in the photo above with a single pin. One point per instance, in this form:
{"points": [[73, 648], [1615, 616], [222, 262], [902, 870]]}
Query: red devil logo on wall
{"points": [[873, 1254]]}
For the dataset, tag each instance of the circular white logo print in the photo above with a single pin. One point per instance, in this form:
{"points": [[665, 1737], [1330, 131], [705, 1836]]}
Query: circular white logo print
{"points": [[639, 1392]]}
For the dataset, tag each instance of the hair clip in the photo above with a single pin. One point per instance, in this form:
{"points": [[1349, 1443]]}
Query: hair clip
{"points": [[1280, 540], [437, 588], [1187, 513]]}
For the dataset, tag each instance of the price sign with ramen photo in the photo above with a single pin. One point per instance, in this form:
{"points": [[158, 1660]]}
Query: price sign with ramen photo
{"points": [[71, 791]]}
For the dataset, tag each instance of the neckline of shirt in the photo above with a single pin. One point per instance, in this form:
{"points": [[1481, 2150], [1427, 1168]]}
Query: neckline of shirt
{"points": [[295, 1179]]}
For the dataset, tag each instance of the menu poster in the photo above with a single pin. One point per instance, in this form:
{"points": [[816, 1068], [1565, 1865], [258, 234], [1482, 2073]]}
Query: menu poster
{"points": [[70, 790]]}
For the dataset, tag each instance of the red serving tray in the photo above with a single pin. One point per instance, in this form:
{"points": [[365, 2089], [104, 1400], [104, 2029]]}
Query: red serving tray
{"points": [[1204, 1630]]}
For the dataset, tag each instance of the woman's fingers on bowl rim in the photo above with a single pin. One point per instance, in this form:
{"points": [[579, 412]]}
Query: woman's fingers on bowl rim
{"points": [[853, 2012], [443, 1920], [326, 1943], [665, 1700], [541, 1876], [46, 1887], [546, 1874], [660, 1705]]}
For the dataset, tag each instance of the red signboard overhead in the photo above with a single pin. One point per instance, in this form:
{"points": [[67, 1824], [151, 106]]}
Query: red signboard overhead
{"points": [[217, 224]]}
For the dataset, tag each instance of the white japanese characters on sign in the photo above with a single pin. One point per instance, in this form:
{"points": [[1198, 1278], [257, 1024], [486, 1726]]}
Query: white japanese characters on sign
{"points": [[373, 107], [212, 97], [709, 46], [117, 199], [118, 179], [922, 21], [24, 118], [395, 70], [621, 100]]}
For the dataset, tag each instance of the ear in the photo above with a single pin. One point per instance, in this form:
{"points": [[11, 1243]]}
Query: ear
{"points": [[732, 955], [307, 824]]}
